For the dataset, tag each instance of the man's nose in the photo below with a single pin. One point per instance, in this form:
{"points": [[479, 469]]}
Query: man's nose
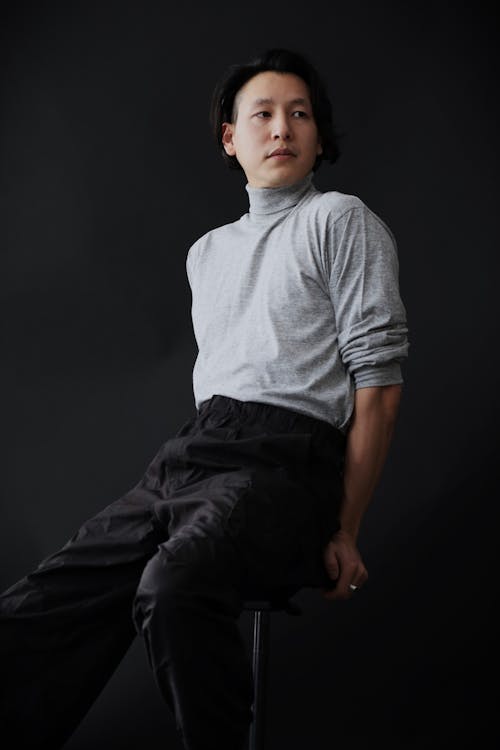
{"points": [[281, 127]]}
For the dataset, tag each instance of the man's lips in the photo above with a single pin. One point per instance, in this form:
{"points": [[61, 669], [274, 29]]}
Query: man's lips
{"points": [[282, 152]]}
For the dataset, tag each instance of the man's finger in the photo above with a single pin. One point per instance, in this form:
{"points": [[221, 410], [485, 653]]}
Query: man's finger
{"points": [[332, 567]]}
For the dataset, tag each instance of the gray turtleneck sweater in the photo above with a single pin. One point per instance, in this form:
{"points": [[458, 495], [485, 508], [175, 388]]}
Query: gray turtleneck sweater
{"points": [[297, 303]]}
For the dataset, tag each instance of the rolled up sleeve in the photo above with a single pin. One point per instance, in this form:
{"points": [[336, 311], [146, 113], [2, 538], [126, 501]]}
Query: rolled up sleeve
{"points": [[370, 316]]}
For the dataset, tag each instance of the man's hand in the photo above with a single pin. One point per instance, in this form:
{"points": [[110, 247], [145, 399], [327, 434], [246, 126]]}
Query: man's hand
{"points": [[344, 565]]}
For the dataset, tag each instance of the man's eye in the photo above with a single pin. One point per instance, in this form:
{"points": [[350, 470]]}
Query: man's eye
{"points": [[297, 111]]}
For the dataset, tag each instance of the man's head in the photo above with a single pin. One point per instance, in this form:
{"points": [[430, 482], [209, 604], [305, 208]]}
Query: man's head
{"points": [[277, 101]]}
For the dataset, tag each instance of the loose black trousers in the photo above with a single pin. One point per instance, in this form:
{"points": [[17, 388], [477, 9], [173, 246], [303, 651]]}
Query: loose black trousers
{"points": [[245, 494]]}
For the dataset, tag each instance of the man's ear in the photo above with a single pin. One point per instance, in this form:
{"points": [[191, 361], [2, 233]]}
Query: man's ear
{"points": [[227, 139]]}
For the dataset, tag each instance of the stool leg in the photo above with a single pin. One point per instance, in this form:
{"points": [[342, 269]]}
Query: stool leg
{"points": [[260, 660]]}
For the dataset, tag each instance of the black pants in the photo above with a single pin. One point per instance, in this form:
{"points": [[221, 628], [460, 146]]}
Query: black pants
{"points": [[244, 495]]}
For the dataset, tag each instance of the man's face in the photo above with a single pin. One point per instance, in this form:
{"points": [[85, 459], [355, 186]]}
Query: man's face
{"points": [[285, 121]]}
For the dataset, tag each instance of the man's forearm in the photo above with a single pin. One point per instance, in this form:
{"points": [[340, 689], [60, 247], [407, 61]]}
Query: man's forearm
{"points": [[368, 441]]}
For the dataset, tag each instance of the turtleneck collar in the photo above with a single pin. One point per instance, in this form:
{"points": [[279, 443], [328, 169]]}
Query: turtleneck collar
{"points": [[269, 200]]}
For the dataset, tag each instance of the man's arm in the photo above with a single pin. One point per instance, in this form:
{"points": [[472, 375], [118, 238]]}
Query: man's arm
{"points": [[368, 440]]}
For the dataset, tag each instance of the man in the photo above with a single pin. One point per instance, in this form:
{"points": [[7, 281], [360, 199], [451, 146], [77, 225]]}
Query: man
{"points": [[276, 141], [301, 331]]}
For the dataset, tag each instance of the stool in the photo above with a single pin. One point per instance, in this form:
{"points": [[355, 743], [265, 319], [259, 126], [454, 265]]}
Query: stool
{"points": [[262, 602]]}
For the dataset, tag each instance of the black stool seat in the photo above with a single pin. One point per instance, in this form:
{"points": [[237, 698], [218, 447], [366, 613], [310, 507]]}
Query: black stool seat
{"points": [[271, 599], [262, 602]]}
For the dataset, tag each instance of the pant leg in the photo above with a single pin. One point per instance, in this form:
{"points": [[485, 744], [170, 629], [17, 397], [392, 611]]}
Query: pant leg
{"points": [[65, 627], [187, 607], [237, 530]]}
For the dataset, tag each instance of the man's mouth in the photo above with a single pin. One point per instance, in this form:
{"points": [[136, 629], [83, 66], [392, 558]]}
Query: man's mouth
{"points": [[281, 152]]}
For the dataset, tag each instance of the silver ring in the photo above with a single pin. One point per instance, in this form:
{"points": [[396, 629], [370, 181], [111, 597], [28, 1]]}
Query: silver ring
{"points": [[352, 586]]}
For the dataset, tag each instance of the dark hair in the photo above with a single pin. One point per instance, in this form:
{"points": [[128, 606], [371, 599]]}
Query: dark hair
{"points": [[223, 109]]}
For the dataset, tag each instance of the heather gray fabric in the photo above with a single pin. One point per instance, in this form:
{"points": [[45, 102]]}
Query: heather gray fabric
{"points": [[297, 303]]}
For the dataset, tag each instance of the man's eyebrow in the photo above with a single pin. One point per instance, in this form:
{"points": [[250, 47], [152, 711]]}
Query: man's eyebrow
{"points": [[298, 100]]}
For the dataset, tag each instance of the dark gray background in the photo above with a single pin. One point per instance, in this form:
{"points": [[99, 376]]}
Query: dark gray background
{"points": [[107, 175]]}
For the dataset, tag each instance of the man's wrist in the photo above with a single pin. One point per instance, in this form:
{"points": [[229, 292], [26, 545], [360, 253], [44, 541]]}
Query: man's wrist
{"points": [[346, 532]]}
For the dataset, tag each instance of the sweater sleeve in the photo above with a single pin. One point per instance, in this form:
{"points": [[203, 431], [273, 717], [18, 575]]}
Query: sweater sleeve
{"points": [[364, 289], [190, 264]]}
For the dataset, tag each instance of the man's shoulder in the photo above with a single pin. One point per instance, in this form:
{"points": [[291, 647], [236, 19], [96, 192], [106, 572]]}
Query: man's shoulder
{"points": [[217, 233], [333, 204]]}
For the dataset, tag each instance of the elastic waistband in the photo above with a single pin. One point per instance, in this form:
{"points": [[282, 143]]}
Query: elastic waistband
{"points": [[223, 408]]}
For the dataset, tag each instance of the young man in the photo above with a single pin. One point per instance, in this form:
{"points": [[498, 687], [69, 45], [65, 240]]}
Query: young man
{"points": [[301, 331]]}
